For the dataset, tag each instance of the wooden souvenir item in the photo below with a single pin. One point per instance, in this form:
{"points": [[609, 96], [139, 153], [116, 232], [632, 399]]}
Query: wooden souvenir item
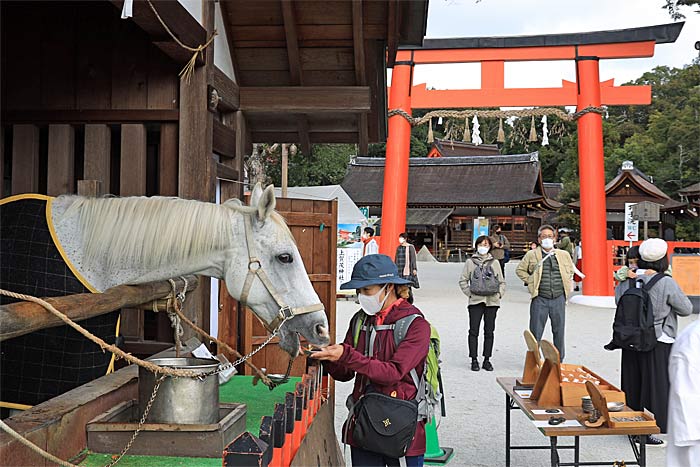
{"points": [[533, 361], [547, 391], [573, 379]]}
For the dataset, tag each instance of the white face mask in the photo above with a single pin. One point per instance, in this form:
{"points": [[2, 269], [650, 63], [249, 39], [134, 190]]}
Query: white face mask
{"points": [[371, 303], [547, 243], [482, 250]]}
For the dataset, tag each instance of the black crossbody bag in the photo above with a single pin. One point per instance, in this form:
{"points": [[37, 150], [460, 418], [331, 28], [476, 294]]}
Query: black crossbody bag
{"points": [[384, 424]]}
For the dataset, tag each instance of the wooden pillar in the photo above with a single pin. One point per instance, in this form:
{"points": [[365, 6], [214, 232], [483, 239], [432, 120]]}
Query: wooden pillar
{"points": [[197, 174], [25, 159], [98, 148]]}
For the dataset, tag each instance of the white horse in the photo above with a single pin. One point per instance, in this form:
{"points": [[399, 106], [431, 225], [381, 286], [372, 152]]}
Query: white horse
{"points": [[113, 241]]}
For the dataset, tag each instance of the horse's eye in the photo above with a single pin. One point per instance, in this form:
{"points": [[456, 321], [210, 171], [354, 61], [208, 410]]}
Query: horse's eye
{"points": [[285, 258]]}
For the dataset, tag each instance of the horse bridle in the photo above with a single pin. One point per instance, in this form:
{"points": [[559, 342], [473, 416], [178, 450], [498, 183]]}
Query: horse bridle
{"points": [[255, 269]]}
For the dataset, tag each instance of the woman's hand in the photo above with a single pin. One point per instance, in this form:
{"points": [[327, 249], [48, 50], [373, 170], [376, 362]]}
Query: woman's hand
{"points": [[631, 274], [331, 353]]}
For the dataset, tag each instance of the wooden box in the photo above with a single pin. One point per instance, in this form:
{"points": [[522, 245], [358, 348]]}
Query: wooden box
{"points": [[648, 420], [575, 388]]}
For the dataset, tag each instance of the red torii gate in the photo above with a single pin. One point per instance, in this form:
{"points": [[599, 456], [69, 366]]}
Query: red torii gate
{"points": [[492, 52]]}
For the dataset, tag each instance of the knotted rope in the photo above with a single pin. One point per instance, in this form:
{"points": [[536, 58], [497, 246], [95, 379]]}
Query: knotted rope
{"points": [[537, 112], [186, 72]]}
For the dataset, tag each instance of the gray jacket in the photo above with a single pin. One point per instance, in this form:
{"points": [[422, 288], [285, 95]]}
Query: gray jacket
{"points": [[464, 279], [667, 300]]}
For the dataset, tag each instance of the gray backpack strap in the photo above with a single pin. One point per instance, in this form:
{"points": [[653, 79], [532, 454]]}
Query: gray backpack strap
{"points": [[373, 335], [401, 328]]}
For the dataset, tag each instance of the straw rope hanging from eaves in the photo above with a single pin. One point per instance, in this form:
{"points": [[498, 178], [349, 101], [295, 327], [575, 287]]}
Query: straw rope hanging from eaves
{"points": [[536, 112]]}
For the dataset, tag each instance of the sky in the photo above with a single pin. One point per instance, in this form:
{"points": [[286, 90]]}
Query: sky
{"points": [[469, 18]]}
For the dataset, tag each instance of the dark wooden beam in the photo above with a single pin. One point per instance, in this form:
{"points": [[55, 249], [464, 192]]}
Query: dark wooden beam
{"points": [[315, 137], [306, 99], [227, 90], [226, 172], [290, 32], [178, 19], [90, 116], [224, 143], [295, 71], [226, 14], [360, 72], [392, 32]]}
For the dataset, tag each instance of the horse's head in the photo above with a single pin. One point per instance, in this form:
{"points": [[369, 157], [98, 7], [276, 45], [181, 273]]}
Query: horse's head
{"points": [[274, 251]]}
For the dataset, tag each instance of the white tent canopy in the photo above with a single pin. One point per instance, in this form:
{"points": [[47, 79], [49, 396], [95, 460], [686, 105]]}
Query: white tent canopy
{"points": [[348, 212]]}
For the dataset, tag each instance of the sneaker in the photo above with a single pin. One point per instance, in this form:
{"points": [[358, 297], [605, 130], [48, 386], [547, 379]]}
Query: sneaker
{"points": [[652, 441], [487, 366], [475, 364]]}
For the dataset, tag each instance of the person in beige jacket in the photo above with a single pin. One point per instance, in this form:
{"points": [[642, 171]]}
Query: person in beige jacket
{"points": [[482, 306], [548, 273]]}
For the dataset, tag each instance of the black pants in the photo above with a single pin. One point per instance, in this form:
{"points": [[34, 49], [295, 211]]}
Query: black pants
{"points": [[502, 262], [476, 313], [645, 381]]}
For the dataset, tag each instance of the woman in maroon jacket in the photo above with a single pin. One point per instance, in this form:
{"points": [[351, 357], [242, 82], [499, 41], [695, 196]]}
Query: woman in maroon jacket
{"points": [[382, 294]]}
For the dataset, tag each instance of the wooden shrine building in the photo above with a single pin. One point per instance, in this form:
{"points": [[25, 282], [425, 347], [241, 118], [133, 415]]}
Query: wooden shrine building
{"points": [[691, 195], [445, 194], [631, 185]]}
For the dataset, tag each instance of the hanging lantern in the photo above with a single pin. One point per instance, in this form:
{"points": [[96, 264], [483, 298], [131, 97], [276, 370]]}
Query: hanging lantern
{"points": [[476, 134], [501, 138], [465, 136], [533, 130], [545, 131], [439, 120], [430, 132]]}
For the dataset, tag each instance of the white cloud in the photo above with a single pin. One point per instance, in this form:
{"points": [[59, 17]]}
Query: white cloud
{"points": [[467, 18]]}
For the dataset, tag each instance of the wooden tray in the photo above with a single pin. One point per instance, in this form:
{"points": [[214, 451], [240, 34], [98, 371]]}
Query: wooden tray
{"points": [[648, 419], [571, 393]]}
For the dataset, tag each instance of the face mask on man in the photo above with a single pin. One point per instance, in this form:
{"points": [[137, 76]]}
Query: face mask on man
{"points": [[371, 303], [547, 243], [482, 250]]}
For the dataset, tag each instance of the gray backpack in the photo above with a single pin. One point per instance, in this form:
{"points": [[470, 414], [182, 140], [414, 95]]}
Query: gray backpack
{"points": [[483, 280]]}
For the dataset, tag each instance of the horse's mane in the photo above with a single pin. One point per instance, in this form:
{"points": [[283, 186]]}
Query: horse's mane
{"points": [[151, 231]]}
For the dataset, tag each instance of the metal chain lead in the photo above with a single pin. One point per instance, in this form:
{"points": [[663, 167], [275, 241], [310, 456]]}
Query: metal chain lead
{"points": [[141, 423]]}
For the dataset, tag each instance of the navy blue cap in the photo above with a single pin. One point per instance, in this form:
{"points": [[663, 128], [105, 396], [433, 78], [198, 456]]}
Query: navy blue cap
{"points": [[374, 269]]}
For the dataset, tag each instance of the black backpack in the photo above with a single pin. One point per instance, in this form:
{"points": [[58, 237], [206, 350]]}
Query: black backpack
{"points": [[483, 280], [633, 328]]}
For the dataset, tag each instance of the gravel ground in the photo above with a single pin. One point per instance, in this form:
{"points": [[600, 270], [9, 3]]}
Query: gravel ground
{"points": [[475, 423]]}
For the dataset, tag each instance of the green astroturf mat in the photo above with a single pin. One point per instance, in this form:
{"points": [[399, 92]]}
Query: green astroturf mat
{"points": [[259, 399]]}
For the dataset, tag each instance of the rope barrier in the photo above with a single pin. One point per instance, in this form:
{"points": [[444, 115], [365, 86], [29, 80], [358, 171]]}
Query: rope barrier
{"points": [[538, 112], [34, 447], [186, 72]]}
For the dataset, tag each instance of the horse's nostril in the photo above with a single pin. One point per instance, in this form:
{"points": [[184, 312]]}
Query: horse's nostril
{"points": [[321, 331]]}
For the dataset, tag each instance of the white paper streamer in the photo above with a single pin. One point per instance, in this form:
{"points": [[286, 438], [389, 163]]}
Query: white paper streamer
{"points": [[128, 9], [476, 134], [545, 131]]}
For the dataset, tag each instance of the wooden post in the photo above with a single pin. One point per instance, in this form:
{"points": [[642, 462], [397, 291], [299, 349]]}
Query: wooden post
{"points": [[290, 412], [132, 167], [285, 167], [98, 148], [25, 159], [279, 420], [90, 188], [298, 418], [247, 451], [267, 434]]}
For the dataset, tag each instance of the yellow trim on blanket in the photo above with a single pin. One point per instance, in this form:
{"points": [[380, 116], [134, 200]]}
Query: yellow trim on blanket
{"points": [[12, 198], [54, 237]]}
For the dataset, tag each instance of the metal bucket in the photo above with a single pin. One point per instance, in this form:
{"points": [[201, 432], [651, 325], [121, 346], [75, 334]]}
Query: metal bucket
{"points": [[181, 400]]}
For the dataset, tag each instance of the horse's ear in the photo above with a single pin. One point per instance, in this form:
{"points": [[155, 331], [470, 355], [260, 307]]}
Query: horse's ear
{"points": [[266, 202], [256, 194]]}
